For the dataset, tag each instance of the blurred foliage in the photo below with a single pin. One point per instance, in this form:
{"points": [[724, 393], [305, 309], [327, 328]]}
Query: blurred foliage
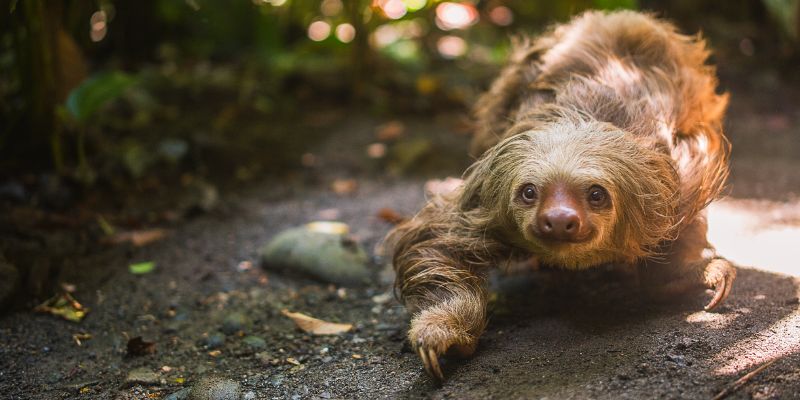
{"points": [[215, 78], [787, 15], [93, 93]]}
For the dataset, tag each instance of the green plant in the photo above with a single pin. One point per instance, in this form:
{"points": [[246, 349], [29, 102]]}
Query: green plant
{"points": [[84, 102]]}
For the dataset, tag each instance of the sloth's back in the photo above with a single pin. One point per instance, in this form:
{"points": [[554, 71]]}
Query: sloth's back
{"points": [[626, 68]]}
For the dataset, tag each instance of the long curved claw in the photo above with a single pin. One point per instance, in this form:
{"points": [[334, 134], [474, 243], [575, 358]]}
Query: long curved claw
{"points": [[430, 360], [423, 356], [719, 277], [437, 370]]}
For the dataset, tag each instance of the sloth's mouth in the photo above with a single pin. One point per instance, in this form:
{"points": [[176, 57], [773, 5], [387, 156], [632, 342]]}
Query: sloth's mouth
{"points": [[565, 242], [552, 242]]}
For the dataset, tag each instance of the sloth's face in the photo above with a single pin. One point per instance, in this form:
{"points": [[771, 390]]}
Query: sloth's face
{"points": [[578, 195], [564, 218]]}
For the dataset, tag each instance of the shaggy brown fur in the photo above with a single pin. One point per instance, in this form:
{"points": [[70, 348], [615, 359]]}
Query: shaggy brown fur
{"points": [[618, 101]]}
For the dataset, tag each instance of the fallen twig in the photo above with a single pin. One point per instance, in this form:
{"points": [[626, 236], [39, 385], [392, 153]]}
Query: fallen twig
{"points": [[741, 381]]}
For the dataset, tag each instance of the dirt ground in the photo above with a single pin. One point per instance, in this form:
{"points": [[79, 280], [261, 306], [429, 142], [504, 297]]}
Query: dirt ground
{"points": [[550, 335]]}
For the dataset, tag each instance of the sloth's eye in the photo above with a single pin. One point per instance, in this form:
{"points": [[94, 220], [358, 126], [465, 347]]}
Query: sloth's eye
{"points": [[528, 193], [598, 196]]}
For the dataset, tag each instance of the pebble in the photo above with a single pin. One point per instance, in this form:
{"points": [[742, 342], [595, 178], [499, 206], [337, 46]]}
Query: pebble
{"points": [[179, 395], [331, 256], [679, 360], [215, 388], [213, 341], [142, 376], [276, 380], [254, 342], [265, 358], [234, 323]]}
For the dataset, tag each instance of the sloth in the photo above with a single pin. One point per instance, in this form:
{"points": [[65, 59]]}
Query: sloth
{"points": [[600, 143]]}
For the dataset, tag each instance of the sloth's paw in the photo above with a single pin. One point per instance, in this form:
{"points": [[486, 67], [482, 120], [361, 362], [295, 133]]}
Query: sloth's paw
{"points": [[433, 335]]}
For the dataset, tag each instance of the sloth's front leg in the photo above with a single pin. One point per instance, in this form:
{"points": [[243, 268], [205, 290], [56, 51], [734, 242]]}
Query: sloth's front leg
{"points": [[450, 324], [691, 263]]}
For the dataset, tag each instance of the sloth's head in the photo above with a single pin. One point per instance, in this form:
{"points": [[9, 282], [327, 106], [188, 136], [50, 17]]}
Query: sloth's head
{"points": [[576, 192]]}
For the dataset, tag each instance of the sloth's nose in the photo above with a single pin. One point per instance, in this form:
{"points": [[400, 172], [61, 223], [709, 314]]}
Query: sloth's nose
{"points": [[560, 223]]}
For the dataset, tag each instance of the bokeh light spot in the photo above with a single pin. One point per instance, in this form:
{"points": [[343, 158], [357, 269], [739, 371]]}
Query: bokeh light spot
{"points": [[415, 5], [451, 46], [451, 16], [394, 9], [99, 26], [319, 31], [501, 15], [345, 33]]}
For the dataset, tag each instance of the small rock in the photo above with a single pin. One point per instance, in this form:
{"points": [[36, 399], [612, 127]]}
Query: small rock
{"points": [[254, 342], [215, 388], [677, 359], [320, 249], [234, 322], [142, 376], [264, 358], [214, 341], [276, 380], [358, 340], [179, 395], [685, 343], [250, 395]]}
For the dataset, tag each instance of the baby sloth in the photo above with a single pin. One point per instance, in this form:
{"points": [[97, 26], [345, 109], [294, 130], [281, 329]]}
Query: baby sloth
{"points": [[601, 143]]}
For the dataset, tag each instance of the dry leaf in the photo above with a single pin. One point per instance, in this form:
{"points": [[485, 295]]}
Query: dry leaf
{"points": [[316, 326], [138, 347], [79, 338], [292, 360], [137, 238], [64, 306], [391, 216], [344, 186]]}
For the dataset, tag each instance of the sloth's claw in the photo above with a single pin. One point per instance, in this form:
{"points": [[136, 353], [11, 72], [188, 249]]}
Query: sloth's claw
{"points": [[430, 360], [719, 276], [432, 340]]}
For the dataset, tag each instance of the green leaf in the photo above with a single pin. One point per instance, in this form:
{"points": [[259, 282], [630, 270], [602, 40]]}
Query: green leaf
{"points": [[142, 268], [95, 92], [616, 4]]}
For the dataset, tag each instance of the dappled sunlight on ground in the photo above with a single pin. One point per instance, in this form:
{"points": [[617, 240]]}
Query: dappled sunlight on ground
{"points": [[757, 233], [711, 320], [778, 340], [763, 235]]}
